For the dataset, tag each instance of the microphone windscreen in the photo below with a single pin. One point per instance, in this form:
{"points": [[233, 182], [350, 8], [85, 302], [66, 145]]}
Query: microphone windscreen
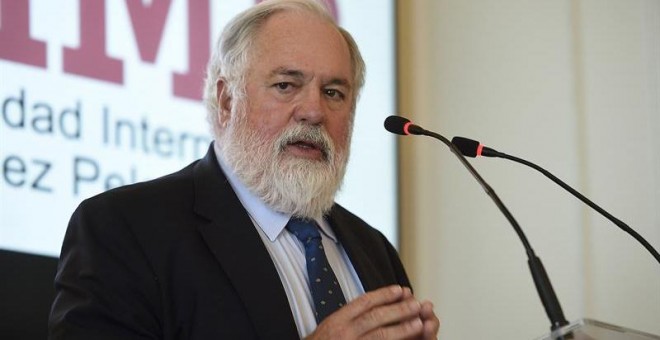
{"points": [[468, 147], [396, 124]]}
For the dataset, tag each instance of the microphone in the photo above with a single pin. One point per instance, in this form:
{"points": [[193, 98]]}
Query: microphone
{"points": [[472, 148], [403, 126]]}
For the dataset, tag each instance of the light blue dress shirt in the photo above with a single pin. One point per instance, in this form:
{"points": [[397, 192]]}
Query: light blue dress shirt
{"points": [[288, 254]]}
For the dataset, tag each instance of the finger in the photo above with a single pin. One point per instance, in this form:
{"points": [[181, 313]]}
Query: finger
{"points": [[431, 328], [382, 316], [370, 300], [407, 292], [405, 330], [430, 321], [426, 310]]}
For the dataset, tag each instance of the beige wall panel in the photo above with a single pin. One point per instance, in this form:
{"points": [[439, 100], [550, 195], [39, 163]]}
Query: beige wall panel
{"points": [[518, 75], [622, 75]]}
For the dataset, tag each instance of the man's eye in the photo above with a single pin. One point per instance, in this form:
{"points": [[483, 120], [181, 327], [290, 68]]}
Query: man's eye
{"points": [[332, 93], [283, 86]]}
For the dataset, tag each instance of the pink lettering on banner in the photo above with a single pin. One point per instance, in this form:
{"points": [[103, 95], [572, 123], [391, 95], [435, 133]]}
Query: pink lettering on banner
{"points": [[15, 41], [91, 59], [189, 84], [148, 25]]}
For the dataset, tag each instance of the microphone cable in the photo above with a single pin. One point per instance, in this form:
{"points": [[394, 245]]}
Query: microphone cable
{"points": [[471, 148]]}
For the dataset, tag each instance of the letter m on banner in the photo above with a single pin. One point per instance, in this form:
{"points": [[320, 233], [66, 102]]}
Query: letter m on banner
{"points": [[90, 59]]}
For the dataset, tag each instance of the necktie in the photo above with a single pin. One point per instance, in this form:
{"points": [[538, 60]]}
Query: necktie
{"points": [[323, 284]]}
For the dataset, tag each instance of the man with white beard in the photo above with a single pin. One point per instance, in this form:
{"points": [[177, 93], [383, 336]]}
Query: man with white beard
{"points": [[217, 250]]}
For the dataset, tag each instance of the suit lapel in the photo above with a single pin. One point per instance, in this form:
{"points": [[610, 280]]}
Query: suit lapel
{"points": [[355, 248], [231, 236]]}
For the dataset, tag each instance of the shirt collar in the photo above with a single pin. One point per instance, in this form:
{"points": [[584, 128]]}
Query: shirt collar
{"points": [[271, 222]]}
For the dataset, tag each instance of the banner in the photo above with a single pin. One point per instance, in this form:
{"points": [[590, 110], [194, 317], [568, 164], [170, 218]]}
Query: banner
{"points": [[99, 94]]}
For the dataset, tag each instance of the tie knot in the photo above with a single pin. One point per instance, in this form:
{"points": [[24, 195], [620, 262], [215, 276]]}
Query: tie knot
{"points": [[304, 230]]}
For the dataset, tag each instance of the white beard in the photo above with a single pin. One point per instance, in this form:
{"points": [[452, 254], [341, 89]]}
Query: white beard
{"points": [[302, 187]]}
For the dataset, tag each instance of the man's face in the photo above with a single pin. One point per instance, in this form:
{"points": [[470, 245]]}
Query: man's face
{"points": [[288, 140], [300, 73]]}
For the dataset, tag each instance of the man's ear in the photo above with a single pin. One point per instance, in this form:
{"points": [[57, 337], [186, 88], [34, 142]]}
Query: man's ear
{"points": [[224, 101]]}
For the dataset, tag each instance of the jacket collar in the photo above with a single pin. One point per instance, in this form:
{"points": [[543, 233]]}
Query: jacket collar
{"points": [[355, 248], [236, 245]]}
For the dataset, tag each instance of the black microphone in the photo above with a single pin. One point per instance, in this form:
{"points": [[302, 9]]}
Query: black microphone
{"points": [[472, 148], [403, 126]]}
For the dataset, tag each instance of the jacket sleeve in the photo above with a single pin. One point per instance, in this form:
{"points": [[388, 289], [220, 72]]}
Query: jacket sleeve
{"points": [[105, 288]]}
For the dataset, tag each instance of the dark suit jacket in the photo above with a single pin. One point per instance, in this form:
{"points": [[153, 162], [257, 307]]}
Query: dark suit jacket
{"points": [[179, 258]]}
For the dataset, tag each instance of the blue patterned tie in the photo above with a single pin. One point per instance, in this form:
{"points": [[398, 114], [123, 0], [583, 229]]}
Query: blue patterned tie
{"points": [[323, 283]]}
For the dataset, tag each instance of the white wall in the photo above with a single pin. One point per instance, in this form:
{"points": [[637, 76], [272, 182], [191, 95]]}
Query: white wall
{"points": [[573, 86]]}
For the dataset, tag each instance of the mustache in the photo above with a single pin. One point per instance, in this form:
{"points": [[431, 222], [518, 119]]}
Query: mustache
{"points": [[310, 134]]}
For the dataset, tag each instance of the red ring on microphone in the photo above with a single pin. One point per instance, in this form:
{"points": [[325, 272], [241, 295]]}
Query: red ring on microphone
{"points": [[479, 149], [405, 128]]}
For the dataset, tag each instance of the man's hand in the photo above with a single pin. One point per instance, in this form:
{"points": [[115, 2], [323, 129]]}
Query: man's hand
{"points": [[387, 313]]}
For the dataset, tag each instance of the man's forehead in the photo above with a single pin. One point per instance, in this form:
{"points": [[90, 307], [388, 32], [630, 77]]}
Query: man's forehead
{"points": [[296, 31], [303, 46]]}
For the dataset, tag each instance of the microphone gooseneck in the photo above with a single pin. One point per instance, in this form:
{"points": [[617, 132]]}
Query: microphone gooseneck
{"points": [[469, 147], [403, 126]]}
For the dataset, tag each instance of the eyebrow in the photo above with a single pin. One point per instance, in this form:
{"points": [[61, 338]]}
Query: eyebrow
{"points": [[284, 71], [298, 74], [339, 81]]}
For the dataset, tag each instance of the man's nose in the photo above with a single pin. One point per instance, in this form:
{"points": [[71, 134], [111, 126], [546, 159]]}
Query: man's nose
{"points": [[311, 110]]}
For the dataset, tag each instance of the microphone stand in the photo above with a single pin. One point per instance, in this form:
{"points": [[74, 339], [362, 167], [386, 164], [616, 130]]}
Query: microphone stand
{"points": [[541, 279]]}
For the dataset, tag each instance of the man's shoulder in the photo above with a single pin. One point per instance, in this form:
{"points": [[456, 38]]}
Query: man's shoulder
{"points": [[154, 213]]}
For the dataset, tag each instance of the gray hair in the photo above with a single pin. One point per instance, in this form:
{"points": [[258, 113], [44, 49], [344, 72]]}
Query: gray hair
{"points": [[231, 54]]}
